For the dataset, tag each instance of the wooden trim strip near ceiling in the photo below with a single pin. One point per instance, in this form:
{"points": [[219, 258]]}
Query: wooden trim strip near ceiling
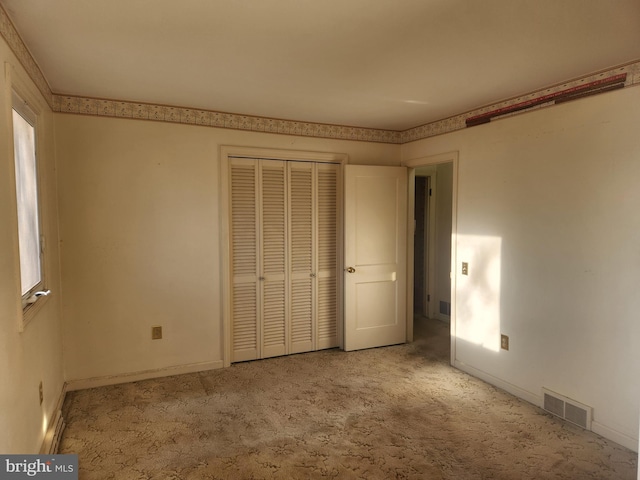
{"points": [[174, 114], [459, 122]]}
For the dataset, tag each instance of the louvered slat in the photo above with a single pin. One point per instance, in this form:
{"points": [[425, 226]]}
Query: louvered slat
{"points": [[301, 220], [245, 326], [243, 219], [301, 255], [273, 319], [327, 298], [327, 311], [327, 219], [273, 219], [274, 244], [301, 316], [244, 259]]}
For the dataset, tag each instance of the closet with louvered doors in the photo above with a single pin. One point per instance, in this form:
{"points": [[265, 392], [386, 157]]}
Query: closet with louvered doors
{"points": [[284, 240]]}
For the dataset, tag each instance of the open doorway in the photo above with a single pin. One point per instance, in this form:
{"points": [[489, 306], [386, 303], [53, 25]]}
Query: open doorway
{"points": [[433, 214], [432, 241], [424, 230]]}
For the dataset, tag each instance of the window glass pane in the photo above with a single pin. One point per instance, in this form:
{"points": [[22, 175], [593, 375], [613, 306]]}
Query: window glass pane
{"points": [[27, 195]]}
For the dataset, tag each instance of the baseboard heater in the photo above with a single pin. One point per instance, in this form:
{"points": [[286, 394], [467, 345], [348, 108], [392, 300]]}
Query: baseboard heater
{"points": [[567, 409], [54, 435]]}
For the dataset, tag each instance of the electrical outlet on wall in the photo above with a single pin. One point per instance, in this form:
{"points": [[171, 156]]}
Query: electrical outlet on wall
{"points": [[504, 342], [156, 332]]}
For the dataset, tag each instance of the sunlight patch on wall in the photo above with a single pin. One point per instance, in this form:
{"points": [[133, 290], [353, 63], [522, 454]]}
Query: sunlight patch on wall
{"points": [[478, 292], [45, 424]]}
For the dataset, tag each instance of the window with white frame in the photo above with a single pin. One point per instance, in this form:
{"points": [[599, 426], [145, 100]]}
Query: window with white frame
{"points": [[26, 174]]}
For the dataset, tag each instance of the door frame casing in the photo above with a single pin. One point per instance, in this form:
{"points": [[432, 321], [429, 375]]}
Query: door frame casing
{"points": [[413, 163], [228, 151]]}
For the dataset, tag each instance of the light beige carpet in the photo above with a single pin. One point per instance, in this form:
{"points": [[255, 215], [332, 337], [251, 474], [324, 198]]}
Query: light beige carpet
{"points": [[389, 413]]}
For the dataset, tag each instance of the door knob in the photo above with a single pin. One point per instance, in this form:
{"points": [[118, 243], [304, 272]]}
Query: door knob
{"points": [[350, 269]]}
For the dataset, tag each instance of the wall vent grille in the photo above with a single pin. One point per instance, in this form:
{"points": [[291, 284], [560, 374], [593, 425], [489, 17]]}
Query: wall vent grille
{"points": [[567, 409]]}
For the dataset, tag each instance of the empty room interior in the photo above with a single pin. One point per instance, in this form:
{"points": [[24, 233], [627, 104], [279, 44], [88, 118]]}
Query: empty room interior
{"points": [[271, 192]]}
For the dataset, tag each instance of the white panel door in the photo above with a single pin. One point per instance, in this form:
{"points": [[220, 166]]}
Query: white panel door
{"points": [[375, 256]]}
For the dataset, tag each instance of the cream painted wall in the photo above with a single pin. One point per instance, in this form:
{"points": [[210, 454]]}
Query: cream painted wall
{"points": [[139, 226], [34, 355], [548, 218]]}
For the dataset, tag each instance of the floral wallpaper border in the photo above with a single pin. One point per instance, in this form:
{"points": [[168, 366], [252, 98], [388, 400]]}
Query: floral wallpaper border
{"points": [[163, 113], [209, 118], [17, 46]]}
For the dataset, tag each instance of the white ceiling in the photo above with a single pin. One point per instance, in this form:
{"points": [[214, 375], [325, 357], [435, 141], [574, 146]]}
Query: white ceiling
{"points": [[391, 64]]}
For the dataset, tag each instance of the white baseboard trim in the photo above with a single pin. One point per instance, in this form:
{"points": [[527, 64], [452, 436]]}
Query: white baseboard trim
{"points": [[602, 430], [56, 426], [497, 382], [84, 383], [615, 436]]}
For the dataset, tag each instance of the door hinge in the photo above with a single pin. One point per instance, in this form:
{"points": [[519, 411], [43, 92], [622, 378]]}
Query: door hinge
{"points": [[429, 192], [428, 298]]}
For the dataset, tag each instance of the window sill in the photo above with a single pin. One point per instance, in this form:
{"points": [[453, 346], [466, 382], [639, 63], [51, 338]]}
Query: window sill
{"points": [[30, 311]]}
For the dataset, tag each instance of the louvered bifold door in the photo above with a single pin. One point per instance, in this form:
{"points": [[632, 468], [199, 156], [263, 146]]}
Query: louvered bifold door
{"points": [[274, 253], [327, 255], [301, 256], [244, 259]]}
